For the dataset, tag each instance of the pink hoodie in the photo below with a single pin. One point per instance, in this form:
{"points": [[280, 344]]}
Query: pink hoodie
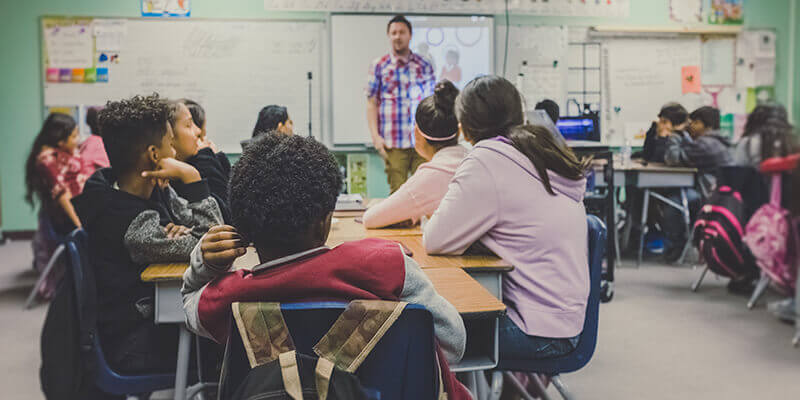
{"points": [[421, 194], [497, 197]]}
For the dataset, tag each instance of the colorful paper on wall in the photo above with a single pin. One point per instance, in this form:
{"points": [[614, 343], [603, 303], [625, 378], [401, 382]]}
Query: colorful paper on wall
{"points": [[726, 12], [69, 47], [72, 111], [166, 8], [759, 95], [690, 79]]}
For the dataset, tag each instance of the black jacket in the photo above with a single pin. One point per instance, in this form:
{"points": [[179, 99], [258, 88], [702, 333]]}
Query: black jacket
{"points": [[125, 234], [216, 169]]}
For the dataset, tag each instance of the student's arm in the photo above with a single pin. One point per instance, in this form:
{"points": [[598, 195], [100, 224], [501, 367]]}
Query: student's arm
{"points": [[214, 172], [147, 241], [197, 210], [399, 207], [64, 200], [467, 212], [675, 153], [222, 245], [447, 323]]}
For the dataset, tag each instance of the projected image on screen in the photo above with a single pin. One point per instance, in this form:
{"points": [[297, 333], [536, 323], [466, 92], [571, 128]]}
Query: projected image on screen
{"points": [[459, 49]]}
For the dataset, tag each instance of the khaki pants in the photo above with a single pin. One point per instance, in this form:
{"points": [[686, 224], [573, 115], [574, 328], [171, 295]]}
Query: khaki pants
{"points": [[400, 164]]}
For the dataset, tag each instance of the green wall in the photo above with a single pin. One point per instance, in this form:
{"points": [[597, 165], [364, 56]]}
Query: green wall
{"points": [[21, 101]]}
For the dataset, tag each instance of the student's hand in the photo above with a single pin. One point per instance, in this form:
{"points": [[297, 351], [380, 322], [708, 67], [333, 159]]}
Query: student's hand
{"points": [[206, 143], [172, 169], [380, 145], [221, 246], [174, 231]]}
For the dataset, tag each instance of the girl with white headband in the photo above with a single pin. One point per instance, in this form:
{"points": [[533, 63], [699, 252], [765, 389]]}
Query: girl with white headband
{"points": [[436, 140]]}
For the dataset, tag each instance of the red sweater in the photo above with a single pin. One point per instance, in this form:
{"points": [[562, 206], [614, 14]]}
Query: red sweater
{"points": [[366, 269]]}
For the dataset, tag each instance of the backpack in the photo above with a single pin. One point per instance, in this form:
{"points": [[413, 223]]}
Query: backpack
{"points": [[772, 239], [62, 374], [718, 235], [279, 372]]}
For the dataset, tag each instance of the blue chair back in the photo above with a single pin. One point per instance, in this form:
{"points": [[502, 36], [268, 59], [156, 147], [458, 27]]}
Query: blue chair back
{"points": [[105, 378], [401, 366], [579, 357]]}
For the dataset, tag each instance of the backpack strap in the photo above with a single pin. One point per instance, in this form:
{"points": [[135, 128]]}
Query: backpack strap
{"points": [[356, 332], [775, 197], [263, 330], [291, 375]]}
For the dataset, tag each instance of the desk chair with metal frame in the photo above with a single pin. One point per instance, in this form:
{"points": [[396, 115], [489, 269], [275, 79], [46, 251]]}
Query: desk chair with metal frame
{"points": [[402, 366]]}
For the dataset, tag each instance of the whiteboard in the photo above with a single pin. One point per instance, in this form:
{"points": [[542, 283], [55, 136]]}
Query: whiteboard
{"points": [[350, 63], [232, 68], [641, 75]]}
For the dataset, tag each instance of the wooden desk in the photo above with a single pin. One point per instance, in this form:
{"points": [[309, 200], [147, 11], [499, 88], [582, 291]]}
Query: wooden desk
{"points": [[479, 308], [347, 229]]}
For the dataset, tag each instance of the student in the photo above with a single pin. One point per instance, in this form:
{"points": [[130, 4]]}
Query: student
{"points": [[767, 133], [195, 149], [672, 119], [134, 219], [54, 173], [272, 118], [436, 140], [704, 148], [519, 193], [551, 108], [283, 193], [92, 150]]}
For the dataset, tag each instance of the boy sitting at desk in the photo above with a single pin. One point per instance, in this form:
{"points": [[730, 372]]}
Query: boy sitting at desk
{"points": [[282, 195], [704, 148], [672, 120], [133, 219]]}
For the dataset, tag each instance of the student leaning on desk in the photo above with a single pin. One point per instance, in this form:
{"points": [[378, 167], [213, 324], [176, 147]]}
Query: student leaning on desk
{"points": [[283, 192], [133, 219]]}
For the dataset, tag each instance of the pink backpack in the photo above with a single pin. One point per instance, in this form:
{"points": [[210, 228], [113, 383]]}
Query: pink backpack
{"points": [[772, 238]]}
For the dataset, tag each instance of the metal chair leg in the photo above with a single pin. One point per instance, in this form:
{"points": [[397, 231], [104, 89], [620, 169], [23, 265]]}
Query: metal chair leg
{"points": [[686, 248], [39, 282], [696, 284], [496, 389], [643, 230], [562, 388], [796, 340], [539, 386], [523, 392], [759, 291]]}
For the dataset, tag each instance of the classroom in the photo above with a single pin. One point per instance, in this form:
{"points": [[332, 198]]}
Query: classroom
{"points": [[400, 199]]}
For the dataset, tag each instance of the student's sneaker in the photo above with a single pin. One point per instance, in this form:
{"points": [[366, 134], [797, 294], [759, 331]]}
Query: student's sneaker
{"points": [[785, 310]]}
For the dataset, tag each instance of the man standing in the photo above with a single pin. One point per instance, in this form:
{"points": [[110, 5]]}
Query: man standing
{"points": [[398, 81]]}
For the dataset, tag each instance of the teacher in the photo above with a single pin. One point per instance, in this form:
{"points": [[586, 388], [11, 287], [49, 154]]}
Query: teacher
{"points": [[398, 81]]}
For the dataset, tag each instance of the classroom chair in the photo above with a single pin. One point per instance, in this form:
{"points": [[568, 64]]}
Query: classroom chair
{"points": [[402, 366], [51, 235], [577, 359], [105, 378], [777, 167]]}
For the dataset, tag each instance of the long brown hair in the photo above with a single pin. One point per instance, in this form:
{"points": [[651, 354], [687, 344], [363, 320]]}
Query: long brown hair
{"points": [[491, 106], [56, 127]]}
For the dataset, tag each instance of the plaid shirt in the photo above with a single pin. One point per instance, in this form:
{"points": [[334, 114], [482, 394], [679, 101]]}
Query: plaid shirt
{"points": [[399, 87]]}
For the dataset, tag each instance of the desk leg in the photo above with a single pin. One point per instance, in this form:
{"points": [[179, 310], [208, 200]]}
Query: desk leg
{"points": [[643, 230], [182, 369]]}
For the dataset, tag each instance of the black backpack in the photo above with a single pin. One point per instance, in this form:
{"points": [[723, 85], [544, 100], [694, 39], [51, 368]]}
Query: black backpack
{"points": [[279, 372], [67, 339], [63, 374], [718, 235]]}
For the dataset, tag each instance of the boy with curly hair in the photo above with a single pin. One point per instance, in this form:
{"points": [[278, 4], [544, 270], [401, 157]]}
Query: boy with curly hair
{"points": [[282, 195], [134, 218]]}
